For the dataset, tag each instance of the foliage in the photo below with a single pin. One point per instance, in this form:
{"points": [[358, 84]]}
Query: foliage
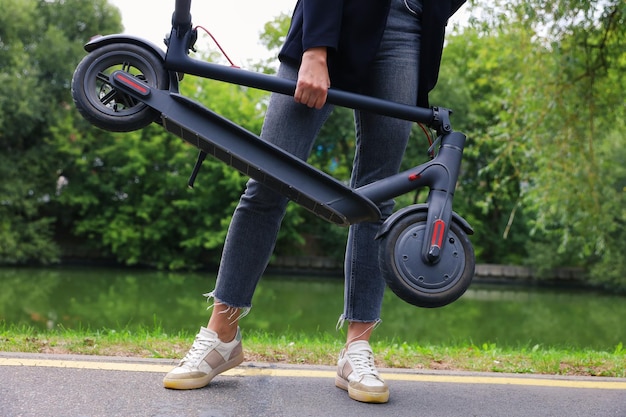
{"points": [[40, 43], [128, 194], [481, 88], [536, 86], [540, 90], [579, 189]]}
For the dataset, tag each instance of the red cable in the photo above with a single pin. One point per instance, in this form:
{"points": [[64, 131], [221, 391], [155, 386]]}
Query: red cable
{"points": [[218, 45], [430, 141]]}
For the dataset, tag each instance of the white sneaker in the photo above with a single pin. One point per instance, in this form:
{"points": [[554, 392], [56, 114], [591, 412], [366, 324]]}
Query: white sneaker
{"points": [[357, 374], [208, 357]]}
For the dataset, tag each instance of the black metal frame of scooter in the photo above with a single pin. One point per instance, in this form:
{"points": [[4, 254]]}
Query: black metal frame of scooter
{"points": [[304, 184]]}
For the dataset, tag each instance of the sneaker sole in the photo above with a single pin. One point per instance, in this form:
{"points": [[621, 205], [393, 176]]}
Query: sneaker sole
{"points": [[360, 395], [195, 383]]}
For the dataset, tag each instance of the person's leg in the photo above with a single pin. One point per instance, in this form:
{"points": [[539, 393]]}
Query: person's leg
{"points": [[256, 221], [381, 142], [248, 246]]}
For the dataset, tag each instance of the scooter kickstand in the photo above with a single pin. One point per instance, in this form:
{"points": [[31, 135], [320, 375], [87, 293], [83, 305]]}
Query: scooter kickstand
{"points": [[196, 168]]}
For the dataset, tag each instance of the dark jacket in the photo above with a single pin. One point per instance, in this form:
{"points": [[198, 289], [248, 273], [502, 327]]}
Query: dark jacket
{"points": [[352, 30]]}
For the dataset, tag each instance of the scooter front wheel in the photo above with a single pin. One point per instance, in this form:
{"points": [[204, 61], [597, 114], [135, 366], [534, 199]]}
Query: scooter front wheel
{"points": [[103, 105], [417, 281]]}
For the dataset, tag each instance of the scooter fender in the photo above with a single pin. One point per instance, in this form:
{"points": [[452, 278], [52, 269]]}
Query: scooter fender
{"points": [[100, 41], [416, 208]]}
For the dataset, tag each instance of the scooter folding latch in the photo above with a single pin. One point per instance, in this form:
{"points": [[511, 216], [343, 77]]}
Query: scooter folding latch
{"points": [[441, 120], [193, 38]]}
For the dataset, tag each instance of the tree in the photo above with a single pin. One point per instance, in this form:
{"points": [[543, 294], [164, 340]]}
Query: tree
{"points": [[127, 193], [565, 115], [581, 187], [482, 79], [40, 42], [537, 87]]}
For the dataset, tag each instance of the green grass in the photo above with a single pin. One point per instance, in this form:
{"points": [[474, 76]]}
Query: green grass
{"points": [[295, 348]]}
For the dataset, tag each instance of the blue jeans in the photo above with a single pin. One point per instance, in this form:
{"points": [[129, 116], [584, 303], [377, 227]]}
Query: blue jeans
{"points": [[380, 145]]}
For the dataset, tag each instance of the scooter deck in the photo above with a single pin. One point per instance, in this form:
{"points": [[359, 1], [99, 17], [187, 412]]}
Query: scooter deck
{"points": [[237, 147]]}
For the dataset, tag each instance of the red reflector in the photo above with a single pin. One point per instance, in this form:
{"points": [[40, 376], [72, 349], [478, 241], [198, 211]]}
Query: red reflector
{"points": [[438, 229], [130, 82]]}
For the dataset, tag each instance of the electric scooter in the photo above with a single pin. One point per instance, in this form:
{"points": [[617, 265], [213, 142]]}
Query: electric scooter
{"points": [[125, 83]]}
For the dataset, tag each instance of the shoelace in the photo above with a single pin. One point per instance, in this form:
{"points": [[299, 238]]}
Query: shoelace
{"points": [[198, 349], [363, 362]]}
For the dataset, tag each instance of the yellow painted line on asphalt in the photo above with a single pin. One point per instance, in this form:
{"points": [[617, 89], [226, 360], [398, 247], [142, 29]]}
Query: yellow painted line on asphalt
{"points": [[310, 373], [500, 380], [106, 366]]}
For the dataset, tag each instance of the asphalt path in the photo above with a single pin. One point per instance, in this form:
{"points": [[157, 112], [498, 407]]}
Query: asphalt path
{"points": [[81, 386]]}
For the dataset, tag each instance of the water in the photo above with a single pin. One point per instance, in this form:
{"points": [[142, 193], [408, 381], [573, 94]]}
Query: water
{"points": [[131, 299]]}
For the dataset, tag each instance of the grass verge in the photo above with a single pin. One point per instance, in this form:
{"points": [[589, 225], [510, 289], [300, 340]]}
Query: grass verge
{"points": [[294, 348]]}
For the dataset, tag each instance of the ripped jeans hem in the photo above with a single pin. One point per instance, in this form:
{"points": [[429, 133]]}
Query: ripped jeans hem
{"points": [[343, 319], [235, 313]]}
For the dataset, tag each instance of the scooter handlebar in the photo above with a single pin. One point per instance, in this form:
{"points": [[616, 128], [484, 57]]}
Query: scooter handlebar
{"points": [[288, 87], [178, 60]]}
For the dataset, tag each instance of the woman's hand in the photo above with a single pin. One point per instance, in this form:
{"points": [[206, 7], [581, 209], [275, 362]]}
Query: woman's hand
{"points": [[313, 79]]}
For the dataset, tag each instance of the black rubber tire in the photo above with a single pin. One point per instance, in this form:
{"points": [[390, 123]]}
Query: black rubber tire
{"points": [[104, 106], [416, 281]]}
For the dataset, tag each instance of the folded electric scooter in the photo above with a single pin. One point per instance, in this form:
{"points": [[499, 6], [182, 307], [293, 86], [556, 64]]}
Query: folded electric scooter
{"points": [[126, 83]]}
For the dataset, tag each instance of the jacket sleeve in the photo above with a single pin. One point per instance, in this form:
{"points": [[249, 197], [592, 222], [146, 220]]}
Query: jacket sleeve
{"points": [[321, 23], [435, 15], [456, 5]]}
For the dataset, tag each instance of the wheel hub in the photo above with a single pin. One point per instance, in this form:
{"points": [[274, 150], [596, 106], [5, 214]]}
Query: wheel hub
{"points": [[422, 275]]}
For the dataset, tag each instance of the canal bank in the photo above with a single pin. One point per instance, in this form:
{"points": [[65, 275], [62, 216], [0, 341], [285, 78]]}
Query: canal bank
{"points": [[492, 273]]}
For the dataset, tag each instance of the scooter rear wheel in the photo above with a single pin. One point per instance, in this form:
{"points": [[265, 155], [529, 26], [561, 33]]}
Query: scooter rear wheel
{"points": [[417, 281], [103, 105]]}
